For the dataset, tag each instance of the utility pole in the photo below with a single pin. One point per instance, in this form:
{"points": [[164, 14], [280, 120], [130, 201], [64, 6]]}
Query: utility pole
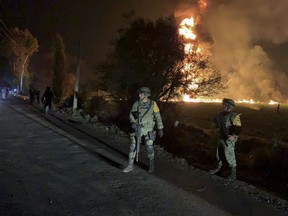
{"points": [[76, 89]]}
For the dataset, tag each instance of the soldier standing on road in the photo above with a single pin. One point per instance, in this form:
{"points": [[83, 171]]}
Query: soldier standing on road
{"points": [[228, 125], [47, 99], [143, 116]]}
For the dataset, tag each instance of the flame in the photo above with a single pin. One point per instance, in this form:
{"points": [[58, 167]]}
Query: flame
{"points": [[186, 28], [187, 98], [202, 4], [271, 102], [191, 46]]}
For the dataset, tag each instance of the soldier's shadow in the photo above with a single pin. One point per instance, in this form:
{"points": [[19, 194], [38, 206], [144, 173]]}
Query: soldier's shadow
{"points": [[106, 159]]}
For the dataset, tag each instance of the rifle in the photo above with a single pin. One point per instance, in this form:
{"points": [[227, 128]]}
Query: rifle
{"points": [[136, 115]]}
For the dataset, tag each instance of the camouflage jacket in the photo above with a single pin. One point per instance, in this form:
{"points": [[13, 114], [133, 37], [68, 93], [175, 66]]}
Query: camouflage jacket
{"points": [[149, 115]]}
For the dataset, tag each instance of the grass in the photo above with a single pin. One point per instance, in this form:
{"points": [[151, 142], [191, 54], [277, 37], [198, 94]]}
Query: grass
{"points": [[257, 120], [261, 151]]}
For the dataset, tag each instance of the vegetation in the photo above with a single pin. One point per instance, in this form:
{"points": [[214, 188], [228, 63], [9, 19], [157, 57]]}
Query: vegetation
{"points": [[151, 53], [201, 76], [19, 47], [145, 52], [59, 68]]}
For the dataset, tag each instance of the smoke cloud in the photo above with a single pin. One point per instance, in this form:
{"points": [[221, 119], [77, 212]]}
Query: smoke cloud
{"points": [[239, 30]]}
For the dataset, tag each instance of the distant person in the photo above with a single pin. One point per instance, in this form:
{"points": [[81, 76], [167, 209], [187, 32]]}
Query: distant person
{"points": [[47, 99], [37, 94], [278, 108], [3, 93], [143, 117], [228, 125], [7, 92], [31, 95]]}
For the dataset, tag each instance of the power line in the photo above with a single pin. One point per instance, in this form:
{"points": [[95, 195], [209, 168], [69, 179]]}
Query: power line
{"points": [[3, 37], [5, 34], [14, 40], [11, 33]]}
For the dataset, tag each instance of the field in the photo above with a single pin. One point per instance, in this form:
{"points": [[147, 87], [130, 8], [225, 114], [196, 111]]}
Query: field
{"points": [[262, 150], [261, 121]]}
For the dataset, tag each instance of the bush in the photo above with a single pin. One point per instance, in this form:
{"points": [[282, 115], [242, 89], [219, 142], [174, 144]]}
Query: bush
{"points": [[97, 104]]}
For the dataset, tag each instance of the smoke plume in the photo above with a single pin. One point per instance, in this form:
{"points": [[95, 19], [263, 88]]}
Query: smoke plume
{"points": [[239, 30]]}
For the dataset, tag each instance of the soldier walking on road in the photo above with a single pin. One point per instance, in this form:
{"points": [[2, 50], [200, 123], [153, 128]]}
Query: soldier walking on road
{"points": [[228, 125], [47, 99], [143, 116]]}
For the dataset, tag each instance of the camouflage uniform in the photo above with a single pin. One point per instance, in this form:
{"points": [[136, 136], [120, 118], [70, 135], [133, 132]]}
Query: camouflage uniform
{"points": [[228, 124], [149, 114]]}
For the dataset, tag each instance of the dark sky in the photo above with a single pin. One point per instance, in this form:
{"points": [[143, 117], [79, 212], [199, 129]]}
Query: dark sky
{"points": [[96, 21]]}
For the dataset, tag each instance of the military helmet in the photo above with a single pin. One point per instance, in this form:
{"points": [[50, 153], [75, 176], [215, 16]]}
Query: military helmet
{"points": [[229, 102], [145, 90]]}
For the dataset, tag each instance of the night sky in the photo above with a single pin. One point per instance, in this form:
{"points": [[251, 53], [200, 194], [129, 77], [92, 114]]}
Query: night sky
{"points": [[249, 37], [96, 21]]}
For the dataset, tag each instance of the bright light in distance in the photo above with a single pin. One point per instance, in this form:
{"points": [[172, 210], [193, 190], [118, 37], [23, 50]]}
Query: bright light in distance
{"points": [[271, 102]]}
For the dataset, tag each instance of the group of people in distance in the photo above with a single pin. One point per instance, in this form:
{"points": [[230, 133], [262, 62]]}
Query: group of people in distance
{"points": [[46, 98]]}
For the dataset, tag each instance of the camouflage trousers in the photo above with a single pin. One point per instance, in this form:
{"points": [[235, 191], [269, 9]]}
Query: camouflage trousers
{"points": [[149, 140], [228, 148]]}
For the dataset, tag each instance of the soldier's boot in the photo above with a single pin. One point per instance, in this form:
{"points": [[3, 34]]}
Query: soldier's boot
{"points": [[232, 177], [217, 169], [130, 166], [151, 166]]}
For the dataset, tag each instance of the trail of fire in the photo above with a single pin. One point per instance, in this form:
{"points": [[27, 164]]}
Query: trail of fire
{"points": [[205, 100]]}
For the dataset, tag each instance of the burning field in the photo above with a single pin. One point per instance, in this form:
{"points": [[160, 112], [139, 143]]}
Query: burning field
{"points": [[238, 37]]}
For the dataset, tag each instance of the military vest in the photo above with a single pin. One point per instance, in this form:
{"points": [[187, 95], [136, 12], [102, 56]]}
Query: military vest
{"points": [[149, 114], [228, 123]]}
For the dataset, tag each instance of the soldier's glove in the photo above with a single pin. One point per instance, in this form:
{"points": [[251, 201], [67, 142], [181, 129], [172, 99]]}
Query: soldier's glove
{"points": [[160, 133], [134, 126]]}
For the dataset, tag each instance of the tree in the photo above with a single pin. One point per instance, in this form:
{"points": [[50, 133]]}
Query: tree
{"points": [[59, 68], [153, 54], [145, 54], [201, 78], [19, 48]]}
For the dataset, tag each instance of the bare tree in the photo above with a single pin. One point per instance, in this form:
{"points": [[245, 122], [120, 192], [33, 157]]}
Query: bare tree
{"points": [[19, 48], [201, 77]]}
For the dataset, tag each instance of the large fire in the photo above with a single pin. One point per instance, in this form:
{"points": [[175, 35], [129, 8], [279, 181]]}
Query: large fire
{"points": [[187, 30]]}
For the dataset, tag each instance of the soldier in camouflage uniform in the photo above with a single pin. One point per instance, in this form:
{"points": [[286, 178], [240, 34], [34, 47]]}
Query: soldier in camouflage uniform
{"points": [[144, 114], [228, 125]]}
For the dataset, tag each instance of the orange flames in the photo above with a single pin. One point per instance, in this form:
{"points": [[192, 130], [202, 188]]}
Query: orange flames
{"points": [[187, 30]]}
